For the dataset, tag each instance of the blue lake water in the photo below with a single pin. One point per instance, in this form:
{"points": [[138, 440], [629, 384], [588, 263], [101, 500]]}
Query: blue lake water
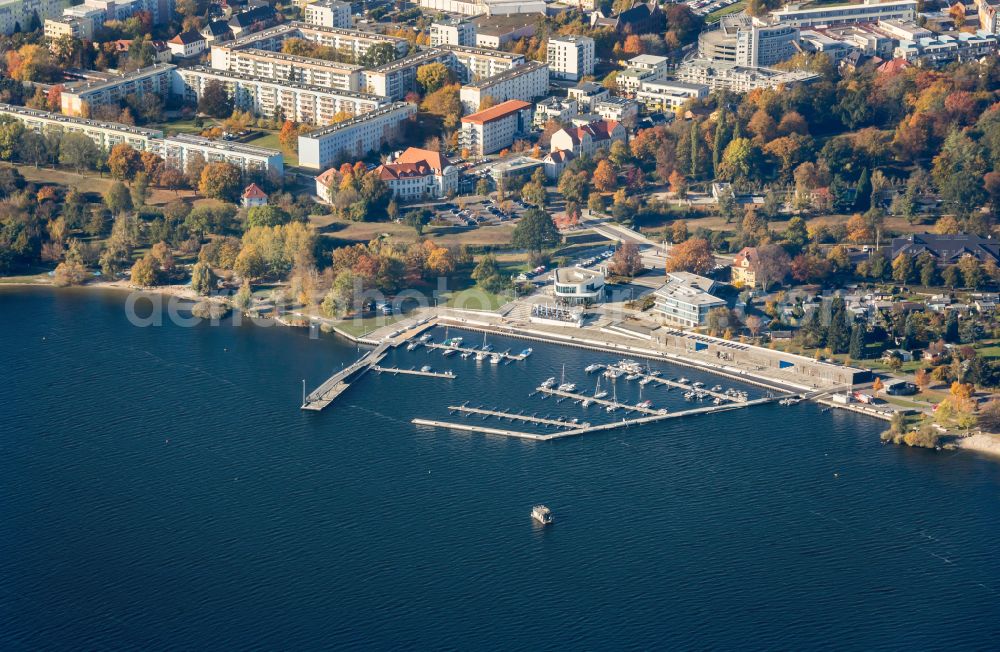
{"points": [[160, 488]]}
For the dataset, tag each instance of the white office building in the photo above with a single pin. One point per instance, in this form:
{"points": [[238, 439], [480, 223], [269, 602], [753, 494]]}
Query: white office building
{"points": [[748, 41], [686, 299], [353, 139], [868, 11], [576, 285], [570, 57]]}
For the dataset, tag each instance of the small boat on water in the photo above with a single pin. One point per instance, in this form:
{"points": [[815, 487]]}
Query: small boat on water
{"points": [[549, 382], [689, 396], [495, 358], [717, 388], [426, 368], [465, 354], [645, 381], [481, 355], [453, 342], [613, 374], [567, 387], [425, 338], [448, 352], [412, 345], [586, 403], [591, 368], [698, 384], [542, 514], [631, 377], [717, 401], [644, 405], [682, 380], [528, 351]]}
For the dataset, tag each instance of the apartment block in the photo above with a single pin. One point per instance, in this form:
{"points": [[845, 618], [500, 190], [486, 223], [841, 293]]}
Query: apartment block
{"points": [[493, 129], [453, 32], [570, 57], [315, 105], [156, 79], [397, 78], [177, 151], [741, 79], [525, 82], [275, 65], [869, 11], [16, 15], [669, 94], [328, 13], [104, 134], [320, 149], [471, 64]]}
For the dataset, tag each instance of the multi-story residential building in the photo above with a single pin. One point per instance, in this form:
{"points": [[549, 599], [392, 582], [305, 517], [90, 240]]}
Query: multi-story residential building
{"points": [[947, 48], [686, 299], [640, 68], [555, 108], [587, 139], [254, 20], [497, 31], [81, 28], [471, 64], [741, 79], [419, 173], [354, 138], [269, 98], [617, 109], [587, 93], [397, 78], [464, 7], [669, 94], [351, 43], [289, 67], [649, 62], [947, 249], [570, 57], [328, 13], [178, 151], [156, 79], [493, 129], [217, 31], [989, 16], [17, 15], [175, 150], [748, 41], [868, 11], [525, 82], [453, 32], [104, 134]]}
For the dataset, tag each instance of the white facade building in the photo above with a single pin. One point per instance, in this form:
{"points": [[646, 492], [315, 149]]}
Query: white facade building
{"points": [[576, 285], [493, 129], [869, 11], [453, 32], [418, 174], [328, 13], [156, 79], [354, 138], [669, 94], [570, 57], [686, 299], [525, 82], [16, 15]]}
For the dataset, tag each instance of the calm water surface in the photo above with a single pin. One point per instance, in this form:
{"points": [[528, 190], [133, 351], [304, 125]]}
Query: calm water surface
{"points": [[160, 488]]}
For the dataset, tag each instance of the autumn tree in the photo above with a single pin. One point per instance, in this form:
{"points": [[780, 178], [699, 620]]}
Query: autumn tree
{"points": [[124, 161], [434, 76], [693, 255], [220, 180], [626, 260], [604, 177]]}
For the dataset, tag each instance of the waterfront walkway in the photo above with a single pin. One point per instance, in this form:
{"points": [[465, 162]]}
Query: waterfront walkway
{"points": [[336, 384]]}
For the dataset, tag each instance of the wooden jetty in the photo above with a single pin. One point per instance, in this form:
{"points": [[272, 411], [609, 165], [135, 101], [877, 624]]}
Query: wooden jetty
{"points": [[462, 349], [415, 372], [599, 401], [518, 417], [338, 383]]}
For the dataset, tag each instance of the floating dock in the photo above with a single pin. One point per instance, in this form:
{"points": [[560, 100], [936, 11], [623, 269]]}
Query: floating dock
{"points": [[468, 427], [599, 401], [461, 349], [415, 372], [519, 417], [338, 383]]}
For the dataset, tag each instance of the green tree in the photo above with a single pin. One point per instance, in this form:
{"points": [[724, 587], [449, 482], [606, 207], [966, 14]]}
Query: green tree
{"points": [[78, 151], [215, 101], [958, 172], [863, 192], [433, 76], [902, 268], [11, 132], [145, 272], [738, 160], [118, 199], [856, 350], [928, 270], [378, 55], [267, 216], [535, 231], [202, 278], [33, 149], [951, 276]]}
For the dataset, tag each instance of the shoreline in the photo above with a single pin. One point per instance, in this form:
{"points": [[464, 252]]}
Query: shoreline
{"points": [[985, 443]]}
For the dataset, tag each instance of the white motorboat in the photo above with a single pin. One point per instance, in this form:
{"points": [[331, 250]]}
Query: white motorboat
{"points": [[549, 382], [542, 514], [591, 368]]}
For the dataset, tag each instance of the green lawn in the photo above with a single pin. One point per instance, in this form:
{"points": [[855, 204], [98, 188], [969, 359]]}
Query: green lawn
{"points": [[475, 298], [180, 126], [269, 139], [358, 327], [717, 15]]}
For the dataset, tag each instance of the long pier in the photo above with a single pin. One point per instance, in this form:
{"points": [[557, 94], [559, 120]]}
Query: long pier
{"points": [[461, 349], [587, 429], [673, 383], [415, 372], [518, 417], [338, 383], [599, 401]]}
